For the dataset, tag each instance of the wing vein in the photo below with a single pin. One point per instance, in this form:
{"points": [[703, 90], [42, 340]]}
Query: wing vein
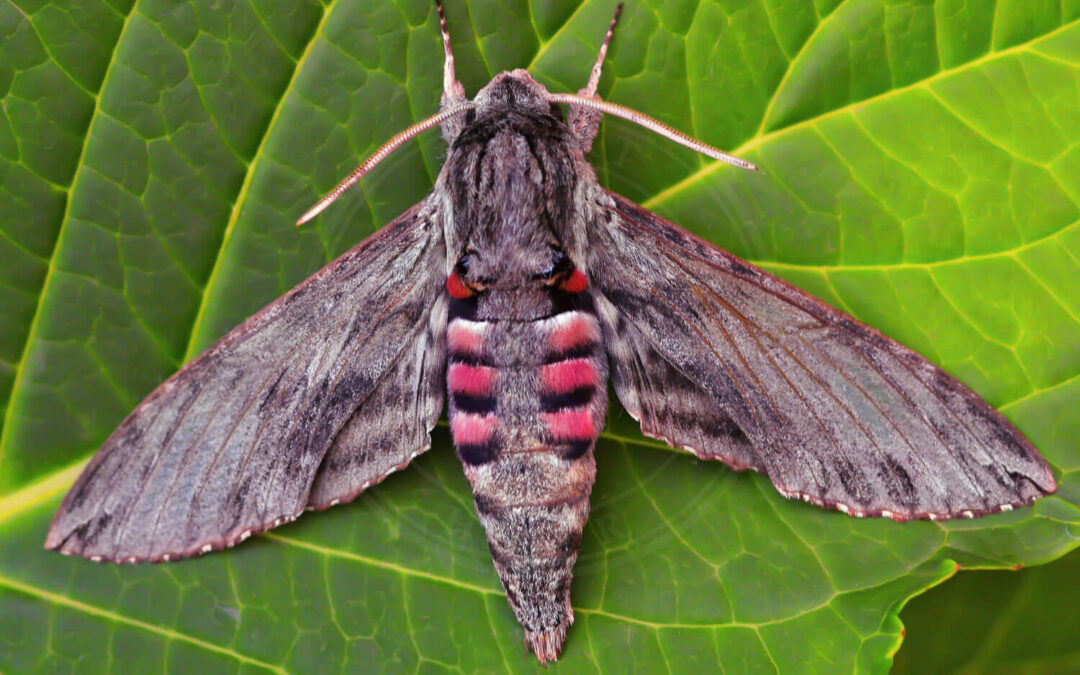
{"points": [[720, 359], [924, 416], [750, 326], [828, 320], [154, 469], [836, 367], [258, 432], [121, 528], [344, 361], [277, 460]]}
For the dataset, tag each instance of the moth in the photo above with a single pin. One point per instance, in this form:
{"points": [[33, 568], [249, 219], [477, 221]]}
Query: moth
{"points": [[519, 286]]}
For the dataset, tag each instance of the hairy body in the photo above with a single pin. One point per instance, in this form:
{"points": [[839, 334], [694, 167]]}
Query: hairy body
{"points": [[527, 369]]}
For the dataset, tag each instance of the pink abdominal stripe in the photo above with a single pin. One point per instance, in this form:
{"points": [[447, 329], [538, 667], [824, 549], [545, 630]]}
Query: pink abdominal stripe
{"points": [[473, 387], [569, 426], [470, 429], [474, 436], [464, 341], [472, 393], [575, 334], [567, 384], [472, 421]]}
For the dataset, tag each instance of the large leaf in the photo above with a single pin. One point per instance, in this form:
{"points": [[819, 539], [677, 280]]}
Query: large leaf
{"points": [[923, 173]]}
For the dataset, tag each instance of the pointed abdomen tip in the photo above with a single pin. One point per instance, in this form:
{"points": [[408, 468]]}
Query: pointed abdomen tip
{"points": [[546, 645]]}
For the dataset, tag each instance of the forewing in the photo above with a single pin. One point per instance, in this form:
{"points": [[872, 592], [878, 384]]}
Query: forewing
{"points": [[392, 426], [231, 444], [837, 413]]}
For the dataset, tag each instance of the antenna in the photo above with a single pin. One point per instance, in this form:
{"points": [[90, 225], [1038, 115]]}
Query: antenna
{"points": [[653, 125], [368, 164]]}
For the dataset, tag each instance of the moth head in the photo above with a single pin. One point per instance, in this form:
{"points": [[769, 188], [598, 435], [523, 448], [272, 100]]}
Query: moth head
{"points": [[509, 182], [517, 91], [513, 90]]}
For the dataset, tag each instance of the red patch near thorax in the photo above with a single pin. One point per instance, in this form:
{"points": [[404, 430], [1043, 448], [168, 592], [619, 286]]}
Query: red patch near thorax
{"points": [[457, 289], [471, 380], [570, 425], [566, 376], [576, 282]]}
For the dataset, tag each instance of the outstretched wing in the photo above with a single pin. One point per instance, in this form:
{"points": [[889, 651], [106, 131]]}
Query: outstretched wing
{"points": [[232, 444], [732, 363]]}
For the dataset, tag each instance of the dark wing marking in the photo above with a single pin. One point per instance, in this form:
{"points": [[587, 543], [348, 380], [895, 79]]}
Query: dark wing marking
{"points": [[837, 413], [231, 444], [667, 404], [392, 426]]}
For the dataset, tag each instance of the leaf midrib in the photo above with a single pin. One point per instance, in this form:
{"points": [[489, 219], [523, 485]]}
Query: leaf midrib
{"points": [[249, 173], [92, 610], [31, 333], [1011, 252]]}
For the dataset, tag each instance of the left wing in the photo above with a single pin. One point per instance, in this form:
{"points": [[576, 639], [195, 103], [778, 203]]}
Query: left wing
{"points": [[833, 411], [249, 434], [393, 424]]}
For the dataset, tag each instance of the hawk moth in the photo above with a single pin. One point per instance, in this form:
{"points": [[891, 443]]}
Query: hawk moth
{"points": [[520, 286]]}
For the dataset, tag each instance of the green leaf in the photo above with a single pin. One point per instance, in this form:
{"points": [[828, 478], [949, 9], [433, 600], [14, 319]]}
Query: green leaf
{"points": [[996, 622], [922, 173]]}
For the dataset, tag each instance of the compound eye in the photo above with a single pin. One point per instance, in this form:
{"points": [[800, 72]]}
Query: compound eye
{"points": [[465, 270], [559, 264], [463, 265]]}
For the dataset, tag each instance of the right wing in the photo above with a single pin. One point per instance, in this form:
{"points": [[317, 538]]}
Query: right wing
{"points": [[248, 434], [732, 363]]}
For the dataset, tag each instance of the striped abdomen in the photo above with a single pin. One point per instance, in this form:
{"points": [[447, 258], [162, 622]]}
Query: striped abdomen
{"points": [[527, 400]]}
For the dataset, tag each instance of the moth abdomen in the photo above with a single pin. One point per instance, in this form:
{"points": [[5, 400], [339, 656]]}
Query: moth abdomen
{"points": [[527, 383]]}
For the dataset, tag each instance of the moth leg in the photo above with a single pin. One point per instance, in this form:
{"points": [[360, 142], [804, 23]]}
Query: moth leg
{"points": [[585, 122], [453, 92]]}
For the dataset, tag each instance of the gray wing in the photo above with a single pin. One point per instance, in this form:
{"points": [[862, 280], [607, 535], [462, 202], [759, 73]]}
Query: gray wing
{"points": [[232, 444], [668, 405], [392, 426], [833, 411]]}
